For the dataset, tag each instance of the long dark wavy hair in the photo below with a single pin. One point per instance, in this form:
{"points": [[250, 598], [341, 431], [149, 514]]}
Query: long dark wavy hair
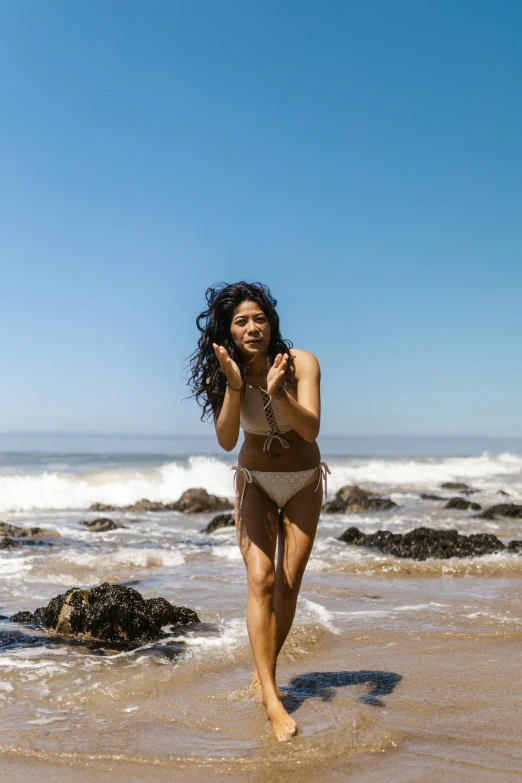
{"points": [[207, 380]]}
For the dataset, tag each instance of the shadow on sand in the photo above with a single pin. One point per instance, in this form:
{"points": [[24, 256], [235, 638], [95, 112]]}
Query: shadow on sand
{"points": [[321, 685]]}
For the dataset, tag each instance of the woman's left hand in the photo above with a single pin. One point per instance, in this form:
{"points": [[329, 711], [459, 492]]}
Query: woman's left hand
{"points": [[276, 374]]}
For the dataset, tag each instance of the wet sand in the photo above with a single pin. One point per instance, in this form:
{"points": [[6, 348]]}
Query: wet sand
{"points": [[440, 698]]}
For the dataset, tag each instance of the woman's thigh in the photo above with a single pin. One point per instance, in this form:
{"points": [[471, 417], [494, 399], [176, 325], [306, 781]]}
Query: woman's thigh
{"points": [[298, 526], [257, 524]]}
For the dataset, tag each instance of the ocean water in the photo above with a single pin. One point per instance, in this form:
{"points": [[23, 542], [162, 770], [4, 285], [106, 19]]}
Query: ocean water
{"points": [[391, 663]]}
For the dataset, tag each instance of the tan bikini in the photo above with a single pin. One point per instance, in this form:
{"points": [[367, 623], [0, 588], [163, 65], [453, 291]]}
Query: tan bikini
{"points": [[261, 417]]}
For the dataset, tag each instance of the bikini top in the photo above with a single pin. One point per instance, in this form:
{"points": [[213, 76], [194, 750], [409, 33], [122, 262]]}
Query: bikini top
{"points": [[260, 417]]}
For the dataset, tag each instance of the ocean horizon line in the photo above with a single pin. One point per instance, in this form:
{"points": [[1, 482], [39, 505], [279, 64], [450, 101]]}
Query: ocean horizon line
{"points": [[199, 435]]}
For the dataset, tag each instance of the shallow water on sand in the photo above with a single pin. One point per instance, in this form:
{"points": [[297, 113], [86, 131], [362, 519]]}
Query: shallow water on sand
{"points": [[399, 669]]}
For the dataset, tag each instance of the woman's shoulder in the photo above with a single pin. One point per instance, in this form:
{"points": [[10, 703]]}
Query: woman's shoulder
{"points": [[304, 361]]}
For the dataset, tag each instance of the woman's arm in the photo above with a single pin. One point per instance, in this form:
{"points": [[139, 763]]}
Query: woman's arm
{"points": [[226, 421], [303, 413]]}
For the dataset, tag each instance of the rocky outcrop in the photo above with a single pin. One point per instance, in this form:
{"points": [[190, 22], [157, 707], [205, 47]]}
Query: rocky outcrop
{"points": [[457, 485], [14, 543], [424, 542], [26, 532], [502, 510], [101, 525], [354, 500], [515, 546], [433, 497], [193, 501], [219, 521], [109, 612], [197, 501], [464, 505]]}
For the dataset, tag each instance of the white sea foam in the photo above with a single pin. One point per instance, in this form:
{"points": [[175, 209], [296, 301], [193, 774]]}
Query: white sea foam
{"points": [[227, 552], [325, 617], [116, 487], [233, 633], [121, 487], [126, 556], [408, 472], [8, 566]]}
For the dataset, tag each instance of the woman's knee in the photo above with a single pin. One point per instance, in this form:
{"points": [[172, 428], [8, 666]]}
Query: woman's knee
{"points": [[261, 580]]}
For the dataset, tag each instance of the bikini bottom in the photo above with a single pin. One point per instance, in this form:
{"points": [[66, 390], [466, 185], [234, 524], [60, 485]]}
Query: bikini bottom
{"points": [[281, 486]]}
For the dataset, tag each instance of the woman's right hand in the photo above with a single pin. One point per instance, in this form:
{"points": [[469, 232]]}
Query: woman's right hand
{"points": [[229, 367]]}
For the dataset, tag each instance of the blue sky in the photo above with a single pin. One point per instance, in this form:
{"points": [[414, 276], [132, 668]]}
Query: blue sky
{"points": [[363, 159]]}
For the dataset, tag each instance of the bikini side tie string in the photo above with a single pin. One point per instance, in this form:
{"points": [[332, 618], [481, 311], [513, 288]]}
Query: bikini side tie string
{"points": [[323, 471], [248, 480]]}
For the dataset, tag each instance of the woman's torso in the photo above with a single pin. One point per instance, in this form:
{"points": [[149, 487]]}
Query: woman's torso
{"points": [[300, 454]]}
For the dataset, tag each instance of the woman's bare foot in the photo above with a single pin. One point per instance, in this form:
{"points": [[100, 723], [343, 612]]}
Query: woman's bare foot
{"points": [[283, 725]]}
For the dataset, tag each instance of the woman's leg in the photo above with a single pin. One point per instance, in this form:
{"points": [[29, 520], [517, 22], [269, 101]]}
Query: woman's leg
{"points": [[257, 524], [298, 525]]}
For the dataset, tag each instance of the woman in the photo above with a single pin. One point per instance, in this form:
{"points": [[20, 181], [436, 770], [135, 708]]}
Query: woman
{"points": [[246, 375]]}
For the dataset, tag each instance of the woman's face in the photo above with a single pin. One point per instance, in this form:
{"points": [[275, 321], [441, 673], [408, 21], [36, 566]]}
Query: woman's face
{"points": [[250, 329]]}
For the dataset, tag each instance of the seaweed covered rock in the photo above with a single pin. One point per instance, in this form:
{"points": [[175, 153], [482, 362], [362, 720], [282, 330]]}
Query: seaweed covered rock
{"points": [[462, 504], [100, 525], [432, 497], [13, 543], [13, 531], [459, 486], [424, 542], [109, 612], [219, 521], [23, 617], [502, 510], [515, 546], [354, 500], [9, 543]]}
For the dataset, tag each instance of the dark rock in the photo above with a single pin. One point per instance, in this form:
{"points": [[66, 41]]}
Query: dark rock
{"points": [[103, 507], [9, 543], [353, 536], [13, 543], [515, 546], [150, 505], [112, 613], [22, 532], [454, 485], [502, 510], [424, 542], [196, 501], [163, 613], [468, 491], [221, 520], [354, 500], [193, 501], [501, 492], [433, 497], [23, 617], [460, 503], [100, 525]]}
